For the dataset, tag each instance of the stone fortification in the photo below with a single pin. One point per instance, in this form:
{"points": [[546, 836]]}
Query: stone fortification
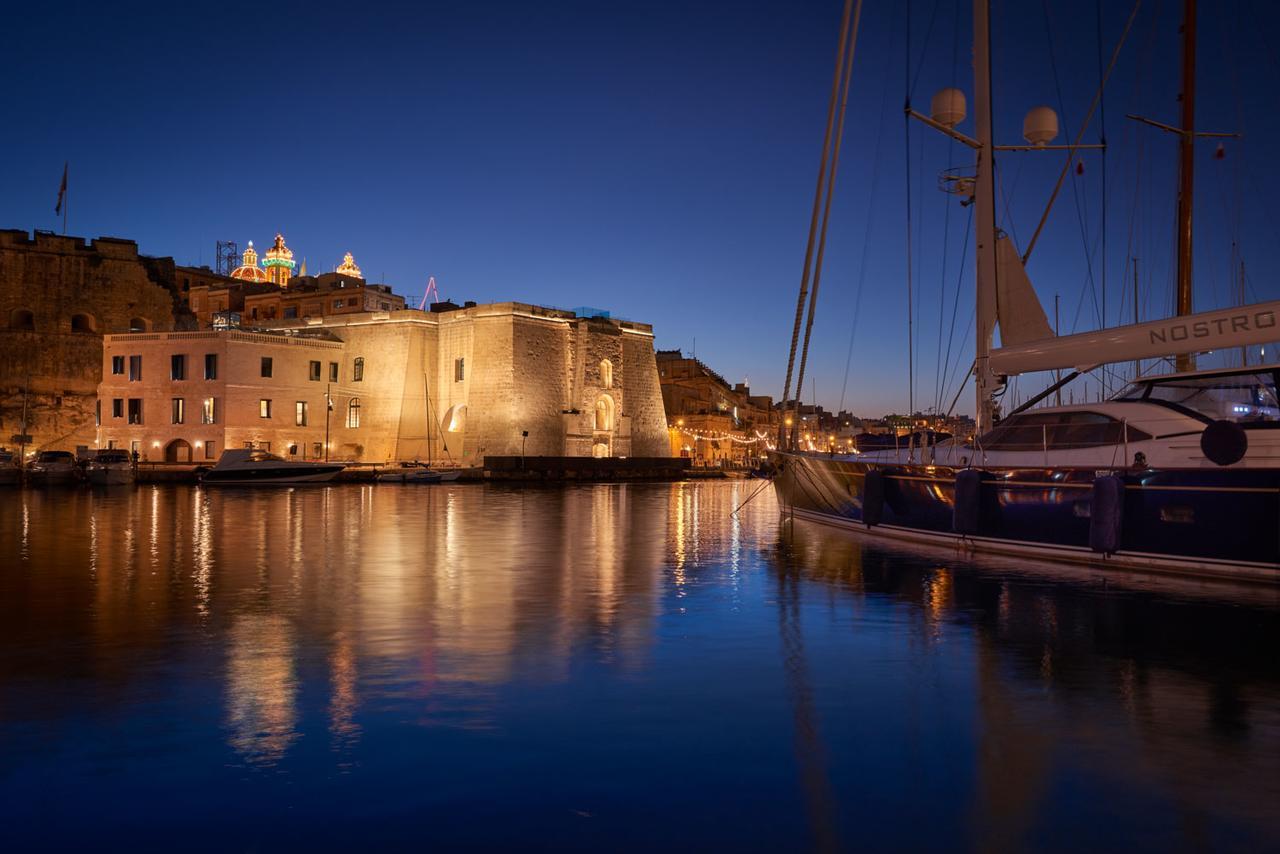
{"points": [[58, 296]]}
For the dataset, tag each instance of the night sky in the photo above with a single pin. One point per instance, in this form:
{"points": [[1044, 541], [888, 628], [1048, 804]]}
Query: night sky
{"points": [[653, 159]]}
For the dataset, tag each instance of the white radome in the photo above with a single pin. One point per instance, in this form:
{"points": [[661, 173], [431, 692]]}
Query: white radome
{"points": [[948, 107], [1040, 127]]}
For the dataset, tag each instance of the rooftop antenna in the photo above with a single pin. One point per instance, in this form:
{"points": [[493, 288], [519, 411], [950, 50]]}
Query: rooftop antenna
{"points": [[226, 257], [432, 294]]}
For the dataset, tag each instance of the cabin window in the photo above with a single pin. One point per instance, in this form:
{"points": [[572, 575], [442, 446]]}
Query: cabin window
{"points": [[313, 373], [357, 369], [1058, 431], [1246, 398], [353, 412]]}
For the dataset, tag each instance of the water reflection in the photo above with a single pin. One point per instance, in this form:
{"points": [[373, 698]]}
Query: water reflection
{"points": [[613, 652]]}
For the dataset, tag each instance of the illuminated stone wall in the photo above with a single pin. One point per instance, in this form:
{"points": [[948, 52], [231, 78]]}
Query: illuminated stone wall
{"points": [[74, 292]]}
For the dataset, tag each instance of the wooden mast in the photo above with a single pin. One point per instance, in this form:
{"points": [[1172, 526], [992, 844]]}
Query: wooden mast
{"points": [[985, 218], [1186, 170]]}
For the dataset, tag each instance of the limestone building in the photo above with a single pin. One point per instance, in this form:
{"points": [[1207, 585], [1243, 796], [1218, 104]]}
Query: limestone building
{"points": [[457, 383], [58, 295]]}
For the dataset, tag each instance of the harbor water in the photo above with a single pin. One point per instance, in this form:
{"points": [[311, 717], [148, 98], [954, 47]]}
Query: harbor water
{"points": [[603, 667]]}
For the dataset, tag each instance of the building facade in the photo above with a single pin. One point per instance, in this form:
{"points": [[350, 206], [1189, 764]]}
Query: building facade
{"points": [[709, 420], [457, 383]]}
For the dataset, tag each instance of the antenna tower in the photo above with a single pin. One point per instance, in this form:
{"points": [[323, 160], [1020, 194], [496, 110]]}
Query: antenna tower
{"points": [[432, 295], [226, 257]]}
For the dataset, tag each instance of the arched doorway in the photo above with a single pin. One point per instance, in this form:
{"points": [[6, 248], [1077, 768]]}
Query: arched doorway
{"points": [[177, 451]]}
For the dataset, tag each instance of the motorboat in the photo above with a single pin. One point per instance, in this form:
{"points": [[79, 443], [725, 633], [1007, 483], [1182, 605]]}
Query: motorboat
{"points": [[53, 468], [110, 467], [255, 467], [10, 471]]}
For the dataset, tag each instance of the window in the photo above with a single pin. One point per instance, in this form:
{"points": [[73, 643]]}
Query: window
{"points": [[97, 413], [179, 410], [333, 372], [314, 374], [604, 413], [385, 306], [291, 312], [117, 407], [606, 374], [1058, 431], [266, 366], [459, 370], [117, 365], [82, 323], [211, 366], [337, 303], [178, 367], [300, 413], [208, 450], [208, 411], [22, 319], [135, 369], [317, 450], [353, 412], [351, 301], [264, 408], [357, 369], [135, 410], [1246, 398]]}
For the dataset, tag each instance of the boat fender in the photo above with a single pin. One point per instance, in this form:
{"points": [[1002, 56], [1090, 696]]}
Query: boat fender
{"points": [[1224, 442], [972, 511], [1106, 514], [873, 498]]}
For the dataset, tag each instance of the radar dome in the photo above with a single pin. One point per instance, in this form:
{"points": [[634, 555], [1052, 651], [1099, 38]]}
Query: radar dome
{"points": [[1040, 127], [948, 107]]}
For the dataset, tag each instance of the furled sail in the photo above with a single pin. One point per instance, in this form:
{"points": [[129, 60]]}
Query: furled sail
{"points": [[1191, 333], [1018, 309]]}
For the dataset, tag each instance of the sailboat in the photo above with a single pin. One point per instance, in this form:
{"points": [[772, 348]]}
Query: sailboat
{"points": [[1177, 472], [414, 471]]}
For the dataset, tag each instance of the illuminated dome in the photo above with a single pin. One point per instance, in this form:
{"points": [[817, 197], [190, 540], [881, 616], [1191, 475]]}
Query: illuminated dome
{"points": [[348, 267], [249, 269], [279, 261]]}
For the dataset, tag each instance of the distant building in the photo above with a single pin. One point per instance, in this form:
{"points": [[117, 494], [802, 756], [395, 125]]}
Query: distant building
{"points": [[458, 382], [709, 420]]}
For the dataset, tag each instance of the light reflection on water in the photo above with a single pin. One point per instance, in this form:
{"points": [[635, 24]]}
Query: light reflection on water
{"points": [[634, 666]]}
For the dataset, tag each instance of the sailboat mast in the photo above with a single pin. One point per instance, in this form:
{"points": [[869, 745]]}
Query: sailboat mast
{"points": [[985, 216], [1186, 172]]}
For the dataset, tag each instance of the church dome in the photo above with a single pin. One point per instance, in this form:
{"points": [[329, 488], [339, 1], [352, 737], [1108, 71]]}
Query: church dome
{"points": [[279, 255], [249, 270]]}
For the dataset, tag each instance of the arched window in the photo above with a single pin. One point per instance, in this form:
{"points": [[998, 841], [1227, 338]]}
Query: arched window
{"points": [[22, 319], [353, 412], [83, 323], [455, 418], [604, 413], [606, 374], [139, 324], [357, 370]]}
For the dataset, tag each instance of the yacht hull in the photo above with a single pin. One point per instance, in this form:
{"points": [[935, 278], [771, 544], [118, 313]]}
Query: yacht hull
{"points": [[1222, 522], [285, 475]]}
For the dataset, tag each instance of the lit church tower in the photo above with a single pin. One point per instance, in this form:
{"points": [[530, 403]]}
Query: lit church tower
{"points": [[348, 267], [279, 262]]}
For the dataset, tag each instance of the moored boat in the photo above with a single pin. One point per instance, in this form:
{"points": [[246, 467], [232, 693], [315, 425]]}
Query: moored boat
{"points": [[253, 467], [53, 468], [110, 467], [10, 471]]}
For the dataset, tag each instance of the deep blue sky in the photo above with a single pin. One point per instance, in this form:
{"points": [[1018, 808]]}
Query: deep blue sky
{"points": [[655, 159]]}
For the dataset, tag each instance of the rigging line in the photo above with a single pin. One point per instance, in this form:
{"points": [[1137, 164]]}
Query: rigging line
{"points": [[866, 238], [817, 204], [826, 208], [1102, 138], [946, 225], [906, 162], [964, 343], [955, 304], [1066, 166], [1081, 213], [912, 80]]}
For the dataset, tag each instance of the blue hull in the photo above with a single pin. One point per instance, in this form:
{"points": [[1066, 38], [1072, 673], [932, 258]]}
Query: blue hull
{"points": [[1226, 520]]}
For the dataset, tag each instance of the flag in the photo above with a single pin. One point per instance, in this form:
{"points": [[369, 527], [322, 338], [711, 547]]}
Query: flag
{"points": [[62, 190]]}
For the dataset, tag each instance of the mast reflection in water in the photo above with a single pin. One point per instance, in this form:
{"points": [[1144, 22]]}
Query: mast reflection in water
{"points": [[603, 666]]}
